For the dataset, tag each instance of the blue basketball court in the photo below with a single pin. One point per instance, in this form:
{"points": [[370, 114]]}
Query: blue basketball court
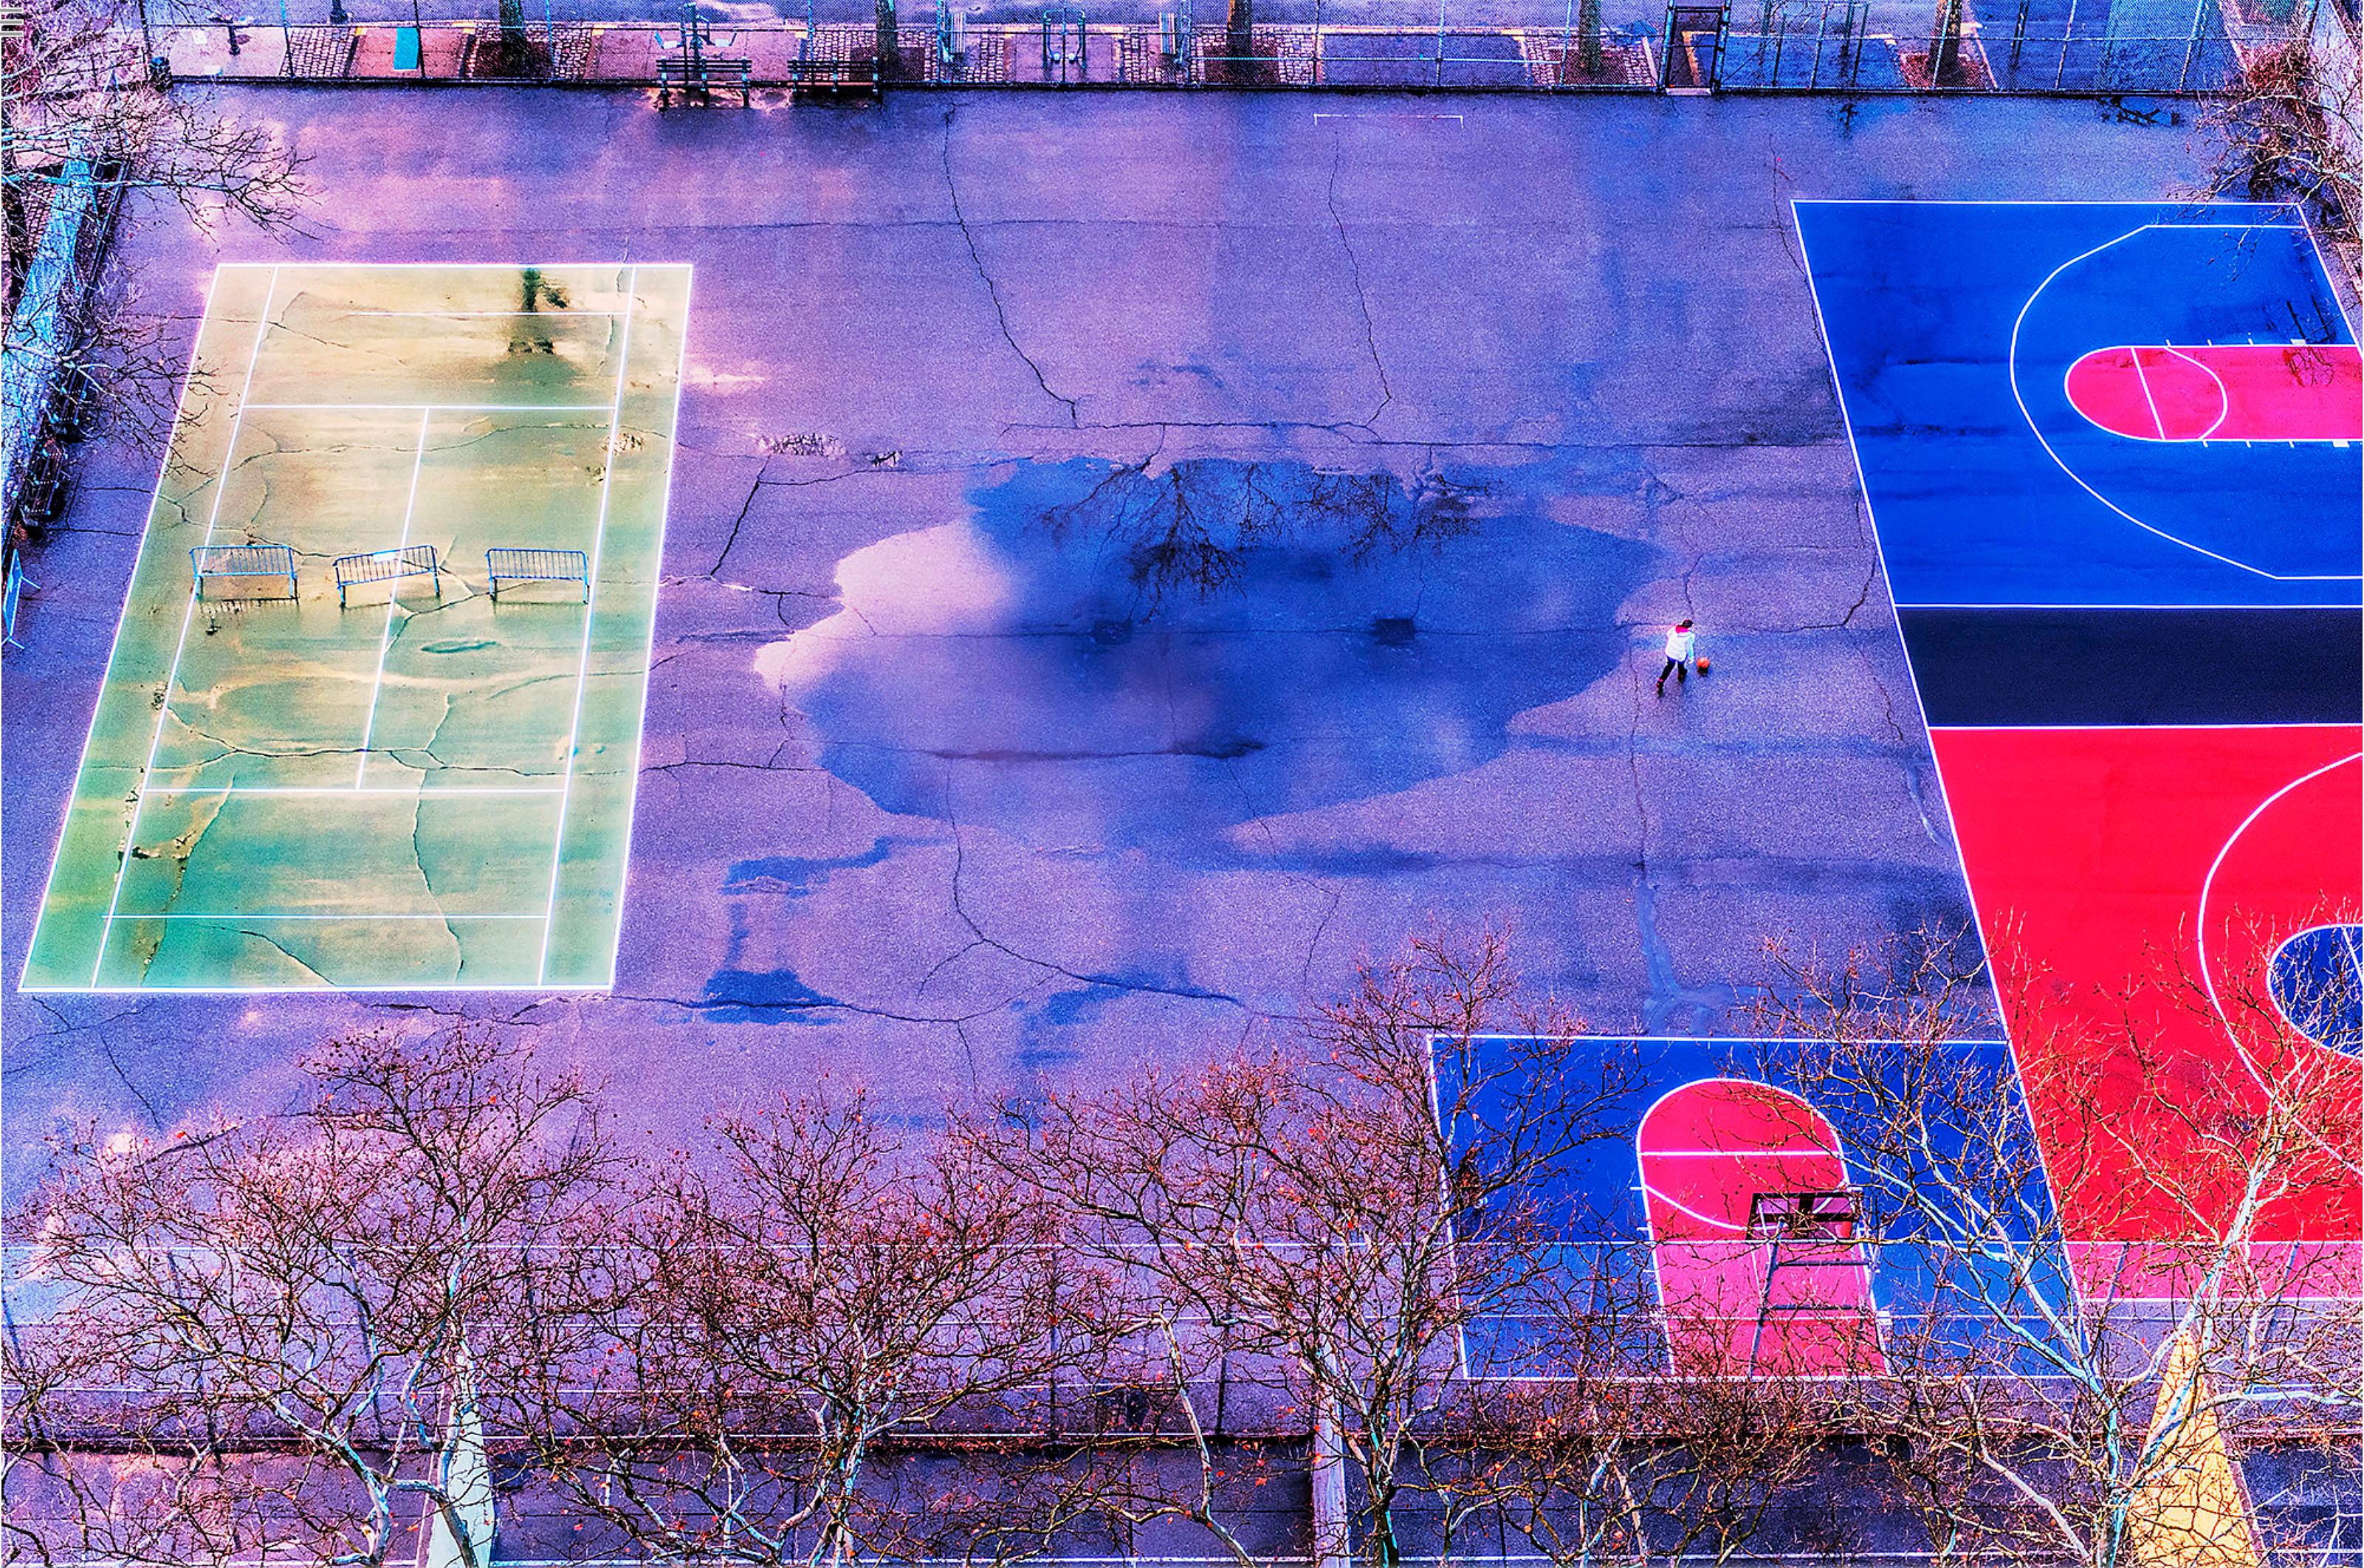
{"points": [[1953, 327]]}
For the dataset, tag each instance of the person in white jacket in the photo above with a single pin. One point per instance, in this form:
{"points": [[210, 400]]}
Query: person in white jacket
{"points": [[1680, 642]]}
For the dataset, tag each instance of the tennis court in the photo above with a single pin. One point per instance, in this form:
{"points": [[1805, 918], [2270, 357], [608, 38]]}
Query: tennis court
{"points": [[331, 751]]}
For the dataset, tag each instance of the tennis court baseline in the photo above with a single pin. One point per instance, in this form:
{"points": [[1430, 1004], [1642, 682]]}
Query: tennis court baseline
{"points": [[326, 755]]}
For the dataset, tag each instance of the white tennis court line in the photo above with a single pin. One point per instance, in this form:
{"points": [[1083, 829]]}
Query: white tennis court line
{"points": [[392, 603], [148, 786], [418, 793], [586, 315], [115, 645], [649, 645], [590, 613], [429, 408], [188, 615], [232, 916]]}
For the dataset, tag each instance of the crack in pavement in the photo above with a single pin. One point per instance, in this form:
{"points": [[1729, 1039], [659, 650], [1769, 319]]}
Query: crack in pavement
{"points": [[1915, 784], [1362, 301], [960, 909], [61, 1027], [976, 258]]}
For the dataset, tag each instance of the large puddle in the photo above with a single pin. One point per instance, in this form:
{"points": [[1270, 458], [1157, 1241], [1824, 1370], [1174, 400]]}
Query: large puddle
{"points": [[1105, 659]]}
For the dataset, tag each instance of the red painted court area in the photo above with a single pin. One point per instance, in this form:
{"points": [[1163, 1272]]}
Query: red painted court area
{"points": [[2223, 392], [1754, 1273], [2098, 858]]}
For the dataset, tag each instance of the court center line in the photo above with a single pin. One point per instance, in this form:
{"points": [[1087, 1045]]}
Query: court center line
{"points": [[393, 601], [188, 615], [590, 608]]}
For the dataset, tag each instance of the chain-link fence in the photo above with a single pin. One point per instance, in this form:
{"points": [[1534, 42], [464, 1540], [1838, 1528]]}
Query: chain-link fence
{"points": [[2038, 46], [2092, 47]]}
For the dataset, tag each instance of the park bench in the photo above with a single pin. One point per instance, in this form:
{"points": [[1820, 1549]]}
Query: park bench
{"points": [[833, 79], [696, 79]]}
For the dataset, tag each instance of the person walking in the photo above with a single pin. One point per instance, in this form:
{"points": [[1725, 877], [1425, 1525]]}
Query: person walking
{"points": [[1680, 641]]}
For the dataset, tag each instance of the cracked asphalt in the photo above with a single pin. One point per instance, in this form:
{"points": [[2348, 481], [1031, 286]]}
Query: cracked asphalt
{"points": [[945, 784]]}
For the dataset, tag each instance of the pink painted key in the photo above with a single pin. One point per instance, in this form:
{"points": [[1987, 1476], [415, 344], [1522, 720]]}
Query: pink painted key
{"points": [[2223, 392], [1727, 1166]]}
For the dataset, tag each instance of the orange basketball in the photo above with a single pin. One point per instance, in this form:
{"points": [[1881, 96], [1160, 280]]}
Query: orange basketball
{"points": [[1702, 665]]}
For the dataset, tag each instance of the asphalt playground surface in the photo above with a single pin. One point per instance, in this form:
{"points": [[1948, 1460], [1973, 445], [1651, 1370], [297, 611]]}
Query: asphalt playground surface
{"points": [[936, 794]]}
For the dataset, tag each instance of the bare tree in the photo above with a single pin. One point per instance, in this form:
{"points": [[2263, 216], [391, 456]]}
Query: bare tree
{"points": [[2049, 1395], [265, 1333], [1305, 1237], [94, 124], [791, 1315], [2290, 126]]}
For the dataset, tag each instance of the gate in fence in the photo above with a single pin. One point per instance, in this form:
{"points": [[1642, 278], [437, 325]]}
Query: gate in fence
{"points": [[1809, 47], [1693, 59], [1066, 44]]}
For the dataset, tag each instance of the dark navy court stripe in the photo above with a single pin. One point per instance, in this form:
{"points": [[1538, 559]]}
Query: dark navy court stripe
{"points": [[2057, 667]]}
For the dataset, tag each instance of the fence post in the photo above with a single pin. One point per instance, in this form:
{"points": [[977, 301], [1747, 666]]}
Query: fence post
{"points": [[2068, 32], [1439, 41], [2183, 77]]}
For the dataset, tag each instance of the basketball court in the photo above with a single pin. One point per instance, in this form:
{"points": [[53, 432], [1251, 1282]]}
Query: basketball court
{"points": [[372, 720], [2112, 454]]}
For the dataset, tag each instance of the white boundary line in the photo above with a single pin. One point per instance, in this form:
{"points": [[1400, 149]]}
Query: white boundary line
{"points": [[393, 601], [1964, 605], [188, 614], [122, 618], [233, 916], [590, 610], [649, 649], [430, 407], [438, 315], [2011, 368], [419, 989], [2152, 203], [2154, 729], [420, 792], [544, 267]]}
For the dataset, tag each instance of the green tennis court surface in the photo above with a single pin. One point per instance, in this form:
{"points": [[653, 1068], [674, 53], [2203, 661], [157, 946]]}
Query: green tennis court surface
{"points": [[424, 786]]}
